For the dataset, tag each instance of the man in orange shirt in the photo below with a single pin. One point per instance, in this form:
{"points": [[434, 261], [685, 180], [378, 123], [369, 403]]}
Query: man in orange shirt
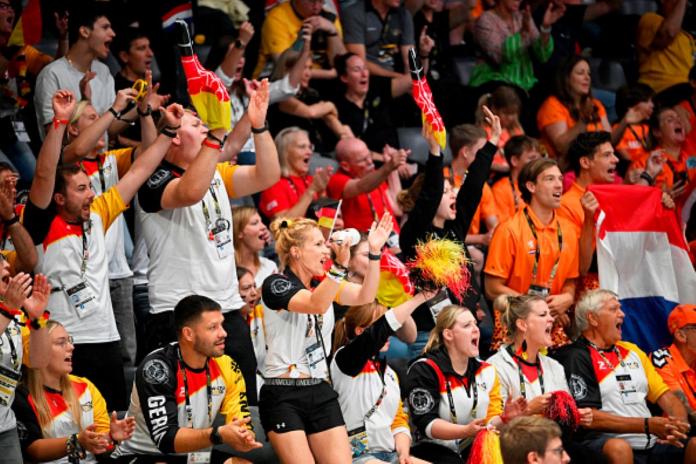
{"points": [[536, 251], [592, 158], [675, 364], [519, 151]]}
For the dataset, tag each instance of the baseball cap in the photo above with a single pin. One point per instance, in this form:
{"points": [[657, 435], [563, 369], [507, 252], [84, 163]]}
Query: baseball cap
{"points": [[681, 316]]}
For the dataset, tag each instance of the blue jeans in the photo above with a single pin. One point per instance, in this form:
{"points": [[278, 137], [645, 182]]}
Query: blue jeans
{"points": [[19, 155], [385, 456], [415, 349]]}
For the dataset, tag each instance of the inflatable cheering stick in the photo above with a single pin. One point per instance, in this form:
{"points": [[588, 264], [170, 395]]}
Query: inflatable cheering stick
{"points": [[424, 99], [208, 94]]}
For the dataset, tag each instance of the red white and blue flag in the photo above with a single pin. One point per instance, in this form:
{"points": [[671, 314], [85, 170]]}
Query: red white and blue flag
{"points": [[642, 255]]}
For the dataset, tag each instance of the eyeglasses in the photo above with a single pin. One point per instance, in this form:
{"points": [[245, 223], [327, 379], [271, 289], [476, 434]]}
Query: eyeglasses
{"points": [[305, 146], [557, 451], [64, 341]]}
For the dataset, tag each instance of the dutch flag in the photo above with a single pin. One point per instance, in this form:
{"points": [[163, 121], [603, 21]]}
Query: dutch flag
{"points": [[642, 255]]}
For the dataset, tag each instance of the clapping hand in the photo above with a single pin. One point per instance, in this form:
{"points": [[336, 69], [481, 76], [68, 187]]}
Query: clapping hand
{"points": [[36, 304], [379, 233], [258, 103], [238, 436], [121, 429]]}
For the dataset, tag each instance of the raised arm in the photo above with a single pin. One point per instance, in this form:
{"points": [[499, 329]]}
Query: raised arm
{"points": [[236, 53], [89, 136], [353, 356], [45, 174], [670, 26], [266, 172], [320, 179], [470, 193], [354, 294], [428, 199], [145, 164], [372, 180]]}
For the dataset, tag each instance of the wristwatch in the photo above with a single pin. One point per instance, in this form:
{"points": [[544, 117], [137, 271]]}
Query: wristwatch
{"points": [[215, 437], [239, 44]]}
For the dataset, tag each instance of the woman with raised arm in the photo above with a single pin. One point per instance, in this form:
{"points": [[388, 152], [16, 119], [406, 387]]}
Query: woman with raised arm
{"points": [[440, 211], [299, 409], [368, 389]]}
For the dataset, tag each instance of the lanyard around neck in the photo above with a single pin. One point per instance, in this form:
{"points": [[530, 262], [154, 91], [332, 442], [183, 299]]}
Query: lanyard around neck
{"points": [[537, 251], [537, 365], [187, 399], [450, 398]]}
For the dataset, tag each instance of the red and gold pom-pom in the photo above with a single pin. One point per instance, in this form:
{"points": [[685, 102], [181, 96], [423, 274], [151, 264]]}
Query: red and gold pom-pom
{"points": [[486, 448], [438, 263], [563, 410]]}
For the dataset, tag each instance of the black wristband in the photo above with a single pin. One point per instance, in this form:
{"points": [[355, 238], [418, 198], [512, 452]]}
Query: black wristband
{"points": [[147, 112], [10, 222], [219, 141], [260, 130], [646, 428], [215, 437], [169, 131], [374, 257], [238, 44], [332, 34], [116, 114], [647, 177]]}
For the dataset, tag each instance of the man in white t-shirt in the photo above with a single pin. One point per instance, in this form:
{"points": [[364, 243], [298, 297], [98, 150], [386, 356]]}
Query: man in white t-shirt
{"points": [[187, 225], [68, 224], [80, 70]]}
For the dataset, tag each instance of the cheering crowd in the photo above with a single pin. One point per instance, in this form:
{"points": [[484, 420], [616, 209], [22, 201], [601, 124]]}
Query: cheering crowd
{"points": [[235, 232]]}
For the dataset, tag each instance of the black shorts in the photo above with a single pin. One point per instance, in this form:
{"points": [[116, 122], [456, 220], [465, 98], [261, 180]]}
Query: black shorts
{"points": [[312, 409]]}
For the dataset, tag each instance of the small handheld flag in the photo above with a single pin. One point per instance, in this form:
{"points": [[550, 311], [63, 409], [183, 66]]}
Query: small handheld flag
{"points": [[424, 99]]}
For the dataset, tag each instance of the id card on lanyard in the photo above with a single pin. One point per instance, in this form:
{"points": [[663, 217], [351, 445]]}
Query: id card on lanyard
{"points": [[537, 288], [628, 390], [218, 231], [10, 373], [314, 349], [438, 303], [358, 437], [79, 293]]}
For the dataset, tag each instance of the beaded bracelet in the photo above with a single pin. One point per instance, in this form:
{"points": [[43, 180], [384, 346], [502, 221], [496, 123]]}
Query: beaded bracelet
{"points": [[9, 312], [336, 274], [38, 323]]}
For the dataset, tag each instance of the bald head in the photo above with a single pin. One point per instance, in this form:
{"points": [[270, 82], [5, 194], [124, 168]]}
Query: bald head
{"points": [[354, 156]]}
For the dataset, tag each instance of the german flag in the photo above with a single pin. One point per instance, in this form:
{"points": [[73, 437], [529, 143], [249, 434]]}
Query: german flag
{"points": [[326, 211], [27, 31]]}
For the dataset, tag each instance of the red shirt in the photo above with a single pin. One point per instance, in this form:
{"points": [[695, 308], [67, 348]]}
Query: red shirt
{"points": [[284, 194], [359, 212]]}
